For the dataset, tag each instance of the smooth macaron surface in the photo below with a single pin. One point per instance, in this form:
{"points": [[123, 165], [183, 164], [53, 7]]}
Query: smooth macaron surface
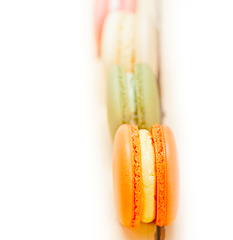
{"points": [[127, 175], [100, 13], [120, 97], [173, 179]]}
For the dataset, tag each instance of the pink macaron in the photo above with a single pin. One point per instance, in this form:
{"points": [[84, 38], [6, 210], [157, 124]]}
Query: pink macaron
{"points": [[102, 8]]}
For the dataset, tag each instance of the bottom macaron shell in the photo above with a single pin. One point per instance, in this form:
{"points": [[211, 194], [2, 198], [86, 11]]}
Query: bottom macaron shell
{"points": [[123, 175], [172, 175], [127, 175]]}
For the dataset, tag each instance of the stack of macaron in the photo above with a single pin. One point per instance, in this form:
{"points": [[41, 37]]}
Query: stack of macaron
{"points": [[145, 162], [130, 59]]}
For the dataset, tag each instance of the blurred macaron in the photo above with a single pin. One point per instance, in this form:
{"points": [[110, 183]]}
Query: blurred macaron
{"points": [[102, 8], [132, 97], [129, 38]]}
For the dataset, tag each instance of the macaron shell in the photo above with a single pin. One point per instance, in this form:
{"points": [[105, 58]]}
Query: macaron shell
{"points": [[127, 175], [123, 175], [100, 13], [147, 93], [117, 99], [172, 175], [147, 43]]}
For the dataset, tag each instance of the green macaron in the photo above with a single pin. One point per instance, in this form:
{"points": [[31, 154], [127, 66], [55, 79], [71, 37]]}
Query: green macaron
{"points": [[132, 97]]}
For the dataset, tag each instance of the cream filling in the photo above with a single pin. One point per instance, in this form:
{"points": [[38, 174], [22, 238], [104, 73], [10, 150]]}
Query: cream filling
{"points": [[131, 91], [148, 177]]}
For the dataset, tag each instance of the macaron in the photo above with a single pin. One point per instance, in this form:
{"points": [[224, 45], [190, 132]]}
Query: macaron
{"points": [[129, 38], [145, 175], [132, 97], [102, 7]]}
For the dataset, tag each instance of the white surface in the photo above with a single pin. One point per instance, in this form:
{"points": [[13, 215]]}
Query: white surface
{"points": [[55, 147]]}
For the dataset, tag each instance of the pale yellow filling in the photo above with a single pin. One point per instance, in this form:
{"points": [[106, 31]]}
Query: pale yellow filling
{"points": [[148, 177]]}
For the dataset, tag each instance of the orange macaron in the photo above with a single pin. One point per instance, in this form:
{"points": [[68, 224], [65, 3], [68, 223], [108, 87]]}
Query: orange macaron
{"points": [[145, 175]]}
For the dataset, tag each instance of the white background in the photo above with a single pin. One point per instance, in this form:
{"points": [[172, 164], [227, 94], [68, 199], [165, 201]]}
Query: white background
{"points": [[55, 147]]}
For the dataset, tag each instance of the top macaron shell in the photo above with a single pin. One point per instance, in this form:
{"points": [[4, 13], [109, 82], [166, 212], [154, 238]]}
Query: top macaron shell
{"points": [[102, 7], [123, 175], [173, 180], [123, 178], [129, 38], [147, 97]]}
